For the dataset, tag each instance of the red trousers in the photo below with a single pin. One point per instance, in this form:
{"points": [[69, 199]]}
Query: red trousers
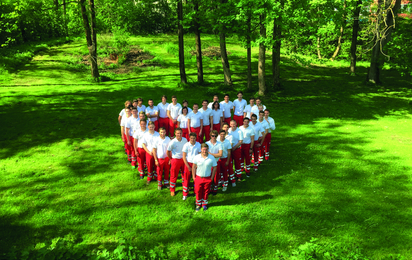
{"points": [[246, 157], [186, 179], [164, 122], [256, 151], [150, 165], [224, 170], [217, 177], [185, 133], [172, 127], [141, 159], [202, 189], [227, 120], [131, 156], [177, 164], [197, 131], [156, 125], [216, 127], [238, 119], [205, 133], [262, 151], [237, 161], [163, 167], [267, 145], [125, 143]]}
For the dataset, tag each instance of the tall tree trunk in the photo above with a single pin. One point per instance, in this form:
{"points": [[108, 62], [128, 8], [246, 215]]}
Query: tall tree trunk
{"points": [[262, 54], [355, 37], [181, 42], [198, 46], [90, 36], [66, 29], [318, 40], [335, 54], [225, 60], [277, 40], [249, 51]]}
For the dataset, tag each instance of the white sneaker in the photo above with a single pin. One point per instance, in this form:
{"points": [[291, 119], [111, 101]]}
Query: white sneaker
{"points": [[224, 188], [234, 184], [184, 197]]}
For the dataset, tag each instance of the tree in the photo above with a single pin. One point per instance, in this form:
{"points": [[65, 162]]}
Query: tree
{"points": [[338, 47], [181, 42], [355, 29], [262, 55], [223, 50], [277, 43], [198, 44]]}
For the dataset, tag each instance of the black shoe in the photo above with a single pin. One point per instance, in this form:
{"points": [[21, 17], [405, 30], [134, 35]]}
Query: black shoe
{"points": [[214, 193], [141, 177]]}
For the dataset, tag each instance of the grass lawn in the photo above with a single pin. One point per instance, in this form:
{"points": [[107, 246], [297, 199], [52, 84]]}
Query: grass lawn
{"points": [[340, 168]]}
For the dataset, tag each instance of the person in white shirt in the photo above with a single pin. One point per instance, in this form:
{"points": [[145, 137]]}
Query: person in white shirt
{"points": [[182, 122], [172, 114], [268, 138], [138, 146], [215, 99], [217, 114], [224, 162], [160, 157], [248, 109], [203, 172], [148, 144], [190, 150], [163, 119], [175, 154], [256, 109], [152, 113], [265, 126], [131, 125], [236, 138], [185, 103], [127, 104], [227, 107], [125, 118], [207, 120], [247, 144], [239, 106], [216, 150], [140, 107], [195, 122], [259, 130]]}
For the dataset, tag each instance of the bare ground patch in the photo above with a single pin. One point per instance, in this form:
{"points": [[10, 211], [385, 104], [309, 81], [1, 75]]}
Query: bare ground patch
{"points": [[210, 52]]}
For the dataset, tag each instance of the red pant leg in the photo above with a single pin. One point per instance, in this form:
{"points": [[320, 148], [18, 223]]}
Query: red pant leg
{"points": [[246, 155], [267, 146], [150, 165], [185, 133], [197, 131], [216, 127], [129, 149], [171, 128], [156, 125], [125, 143], [164, 122], [141, 159], [217, 177], [224, 170], [162, 168], [133, 154], [227, 120], [206, 133], [238, 119], [237, 159], [199, 190], [206, 186], [256, 156], [186, 180], [174, 173]]}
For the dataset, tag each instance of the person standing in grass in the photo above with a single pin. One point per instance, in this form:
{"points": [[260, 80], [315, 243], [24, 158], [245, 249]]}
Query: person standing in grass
{"points": [[152, 113], [236, 138], [148, 144], [256, 109], [216, 150], [195, 122], [239, 106], [138, 146], [175, 154], [227, 107], [140, 107], [268, 138], [258, 141], [224, 162], [131, 125], [247, 144], [122, 113], [172, 114], [215, 99], [160, 156], [203, 172], [185, 103], [265, 126], [248, 109], [125, 118], [182, 122], [190, 150], [207, 120], [217, 115], [163, 119]]}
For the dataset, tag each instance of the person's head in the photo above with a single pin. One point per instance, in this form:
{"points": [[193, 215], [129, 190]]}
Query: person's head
{"points": [[178, 133], [185, 110], [128, 111], [258, 101], [252, 101], [139, 101], [204, 103], [141, 115], [135, 102], [127, 103], [216, 105], [246, 122], [185, 103], [150, 102], [226, 98], [225, 126], [205, 149], [261, 114], [240, 95], [164, 99], [213, 135], [267, 113], [222, 134], [162, 132], [143, 124], [174, 99], [260, 107], [134, 112], [195, 107], [215, 98], [233, 124], [254, 118], [192, 138], [151, 126]]}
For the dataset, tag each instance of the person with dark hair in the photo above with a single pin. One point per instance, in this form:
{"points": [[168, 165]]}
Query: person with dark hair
{"points": [[238, 108], [172, 114], [247, 144], [185, 103], [268, 138], [148, 144], [227, 106], [160, 157], [195, 122], [163, 119], [203, 172], [216, 150], [258, 141], [190, 150], [236, 138], [140, 107], [224, 162], [138, 146], [182, 122], [122, 113], [215, 99], [175, 154], [207, 120], [248, 109], [152, 113], [217, 114], [131, 125], [256, 110], [125, 118]]}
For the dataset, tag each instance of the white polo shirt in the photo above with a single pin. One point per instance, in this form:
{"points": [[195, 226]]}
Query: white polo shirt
{"points": [[195, 119], [226, 145], [161, 147], [188, 110], [162, 109], [258, 130], [226, 107], [123, 112], [237, 136], [206, 114], [176, 148], [239, 107], [255, 110], [217, 114], [204, 165], [214, 148], [210, 105], [182, 119], [272, 126], [247, 133], [149, 140], [140, 109], [152, 111], [265, 125], [133, 124], [174, 110], [248, 110], [191, 150], [123, 123], [139, 134]]}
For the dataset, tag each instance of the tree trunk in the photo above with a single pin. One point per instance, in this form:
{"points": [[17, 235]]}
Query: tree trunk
{"points": [[335, 54], [318, 41], [93, 52], [262, 53], [66, 29], [225, 60], [198, 46], [181, 42], [249, 52], [277, 39], [355, 37]]}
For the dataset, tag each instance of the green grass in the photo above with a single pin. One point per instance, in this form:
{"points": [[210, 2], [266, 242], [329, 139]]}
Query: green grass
{"points": [[340, 168]]}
